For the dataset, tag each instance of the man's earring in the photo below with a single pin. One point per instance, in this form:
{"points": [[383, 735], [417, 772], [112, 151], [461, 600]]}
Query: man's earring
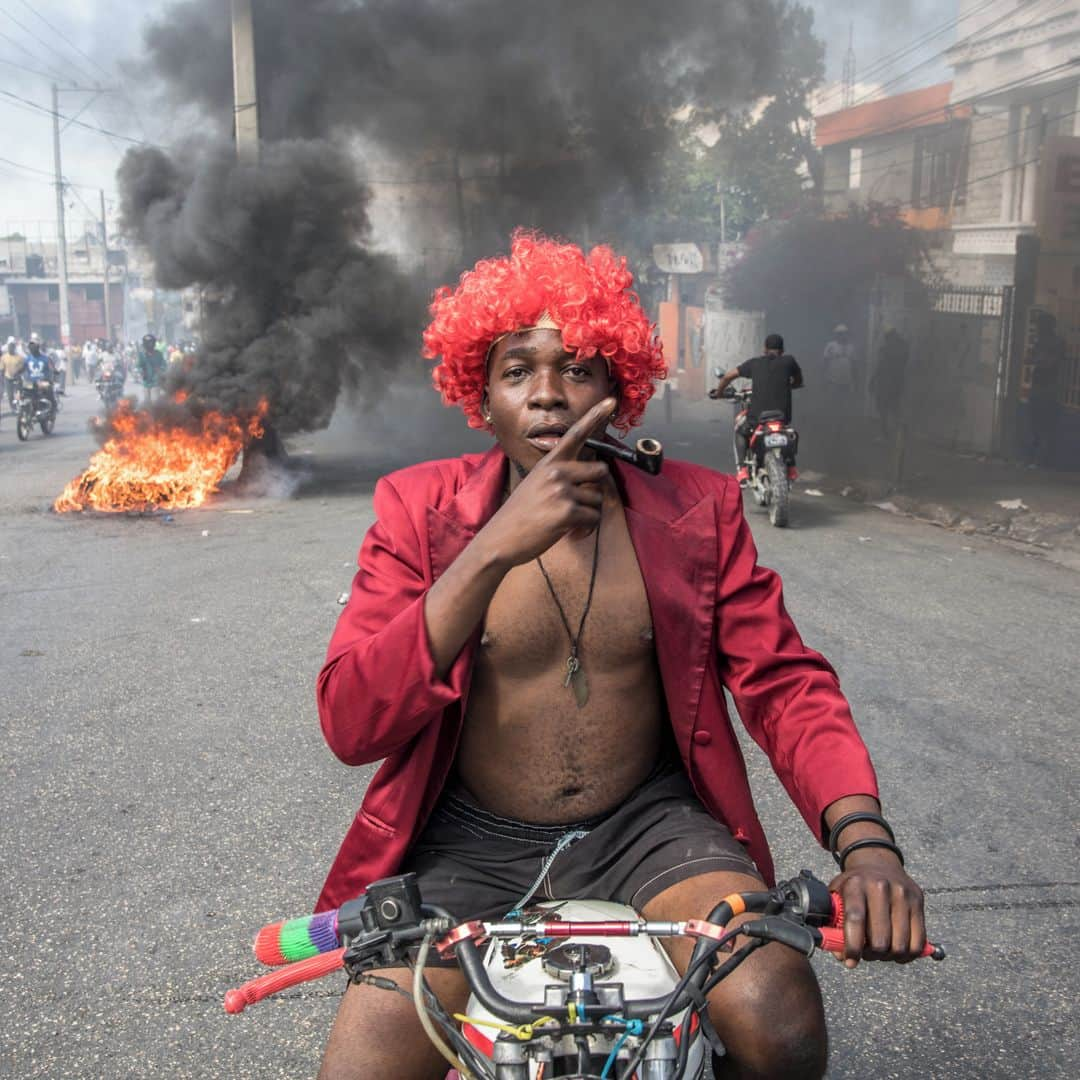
{"points": [[487, 418]]}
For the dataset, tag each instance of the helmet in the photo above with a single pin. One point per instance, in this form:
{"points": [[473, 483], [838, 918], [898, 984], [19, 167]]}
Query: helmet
{"points": [[774, 341], [149, 340], [35, 338], [840, 328]]}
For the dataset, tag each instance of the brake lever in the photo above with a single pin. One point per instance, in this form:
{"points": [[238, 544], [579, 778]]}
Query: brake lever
{"points": [[795, 935], [380, 948]]}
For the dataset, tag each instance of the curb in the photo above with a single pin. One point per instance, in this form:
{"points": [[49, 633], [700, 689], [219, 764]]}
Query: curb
{"points": [[1013, 522]]}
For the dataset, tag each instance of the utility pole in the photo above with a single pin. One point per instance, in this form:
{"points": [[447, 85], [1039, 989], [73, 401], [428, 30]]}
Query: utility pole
{"points": [[261, 449], [105, 272], [849, 69], [245, 86], [61, 239]]}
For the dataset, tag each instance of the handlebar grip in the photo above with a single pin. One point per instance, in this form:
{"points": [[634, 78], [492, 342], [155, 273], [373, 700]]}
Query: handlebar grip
{"points": [[315, 967], [832, 936], [291, 940], [832, 940]]}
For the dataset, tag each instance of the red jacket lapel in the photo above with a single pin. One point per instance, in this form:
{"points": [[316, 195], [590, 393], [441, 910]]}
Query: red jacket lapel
{"points": [[674, 536]]}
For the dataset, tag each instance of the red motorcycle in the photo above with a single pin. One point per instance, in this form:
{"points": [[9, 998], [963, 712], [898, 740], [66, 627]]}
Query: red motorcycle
{"points": [[770, 458]]}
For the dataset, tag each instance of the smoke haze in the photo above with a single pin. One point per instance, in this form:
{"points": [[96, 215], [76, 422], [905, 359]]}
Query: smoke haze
{"points": [[563, 107]]}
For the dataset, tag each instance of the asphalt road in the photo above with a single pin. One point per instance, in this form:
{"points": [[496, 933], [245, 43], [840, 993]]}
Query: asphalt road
{"points": [[166, 789]]}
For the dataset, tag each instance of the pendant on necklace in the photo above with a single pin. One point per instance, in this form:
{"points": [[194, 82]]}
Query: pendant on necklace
{"points": [[576, 680]]}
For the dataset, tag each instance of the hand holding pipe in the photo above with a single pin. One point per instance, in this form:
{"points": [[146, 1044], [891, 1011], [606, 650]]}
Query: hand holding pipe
{"points": [[647, 455]]}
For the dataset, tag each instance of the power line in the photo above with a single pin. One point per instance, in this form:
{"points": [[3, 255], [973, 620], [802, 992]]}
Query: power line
{"points": [[978, 142], [26, 30], [21, 48], [105, 71], [65, 39], [26, 103], [33, 71], [887, 60], [907, 121], [982, 179], [963, 41]]}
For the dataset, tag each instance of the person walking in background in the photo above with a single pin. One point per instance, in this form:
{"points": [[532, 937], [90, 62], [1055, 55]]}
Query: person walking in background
{"points": [[58, 356], [11, 364], [75, 354], [90, 359], [889, 380], [1047, 360], [840, 372]]}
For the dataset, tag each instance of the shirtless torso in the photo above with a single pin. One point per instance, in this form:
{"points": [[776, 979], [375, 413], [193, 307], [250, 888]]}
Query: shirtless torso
{"points": [[565, 763]]}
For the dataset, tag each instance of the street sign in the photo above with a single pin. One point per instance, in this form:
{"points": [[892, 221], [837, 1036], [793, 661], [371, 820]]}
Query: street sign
{"points": [[679, 258]]}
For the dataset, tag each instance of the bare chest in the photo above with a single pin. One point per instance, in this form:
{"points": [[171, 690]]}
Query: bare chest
{"points": [[524, 632]]}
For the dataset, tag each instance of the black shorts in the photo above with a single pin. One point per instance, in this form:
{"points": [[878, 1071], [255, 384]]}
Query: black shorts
{"points": [[478, 865]]}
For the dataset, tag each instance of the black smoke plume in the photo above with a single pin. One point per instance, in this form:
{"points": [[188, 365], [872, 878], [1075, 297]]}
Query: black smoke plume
{"points": [[554, 115], [295, 307]]}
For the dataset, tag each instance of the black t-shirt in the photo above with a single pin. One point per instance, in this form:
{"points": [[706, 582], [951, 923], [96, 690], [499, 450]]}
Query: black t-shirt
{"points": [[773, 378]]}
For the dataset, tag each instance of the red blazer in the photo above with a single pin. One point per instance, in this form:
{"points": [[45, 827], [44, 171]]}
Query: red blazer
{"points": [[718, 621]]}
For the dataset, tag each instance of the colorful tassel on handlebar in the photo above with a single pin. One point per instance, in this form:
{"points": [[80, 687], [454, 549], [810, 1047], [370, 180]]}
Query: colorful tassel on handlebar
{"points": [[297, 939]]}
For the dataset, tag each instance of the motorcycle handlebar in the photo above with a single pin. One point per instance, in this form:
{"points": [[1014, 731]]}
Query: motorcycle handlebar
{"points": [[818, 924]]}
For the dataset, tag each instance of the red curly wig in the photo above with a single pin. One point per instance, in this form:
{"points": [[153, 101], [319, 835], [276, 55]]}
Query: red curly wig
{"points": [[588, 296]]}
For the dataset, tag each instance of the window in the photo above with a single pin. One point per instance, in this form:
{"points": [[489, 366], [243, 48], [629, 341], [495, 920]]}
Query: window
{"points": [[94, 292], [939, 168], [855, 167], [54, 293]]}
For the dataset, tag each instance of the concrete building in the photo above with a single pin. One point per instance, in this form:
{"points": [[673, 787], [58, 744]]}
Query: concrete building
{"points": [[1019, 72], [29, 278], [907, 150]]}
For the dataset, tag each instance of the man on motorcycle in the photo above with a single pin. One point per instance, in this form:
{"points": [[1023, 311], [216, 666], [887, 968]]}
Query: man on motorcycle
{"points": [[536, 646], [38, 368], [774, 375]]}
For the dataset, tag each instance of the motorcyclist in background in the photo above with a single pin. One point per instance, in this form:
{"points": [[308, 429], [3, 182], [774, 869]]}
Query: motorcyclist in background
{"points": [[39, 367], [774, 375]]}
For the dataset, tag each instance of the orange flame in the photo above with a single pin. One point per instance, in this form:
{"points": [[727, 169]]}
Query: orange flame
{"points": [[150, 464]]}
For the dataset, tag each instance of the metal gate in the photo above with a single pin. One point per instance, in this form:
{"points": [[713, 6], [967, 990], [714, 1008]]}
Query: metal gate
{"points": [[960, 366]]}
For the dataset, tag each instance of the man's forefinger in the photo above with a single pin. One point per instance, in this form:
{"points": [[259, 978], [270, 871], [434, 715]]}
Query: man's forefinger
{"points": [[571, 443]]}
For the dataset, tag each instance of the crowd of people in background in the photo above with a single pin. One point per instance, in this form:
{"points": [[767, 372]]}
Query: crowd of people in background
{"points": [[146, 361]]}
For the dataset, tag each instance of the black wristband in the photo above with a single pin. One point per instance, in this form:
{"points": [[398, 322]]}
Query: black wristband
{"points": [[851, 819], [867, 842]]}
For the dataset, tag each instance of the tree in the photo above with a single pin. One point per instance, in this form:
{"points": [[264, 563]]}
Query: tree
{"points": [[810, 272], [759, 159]]}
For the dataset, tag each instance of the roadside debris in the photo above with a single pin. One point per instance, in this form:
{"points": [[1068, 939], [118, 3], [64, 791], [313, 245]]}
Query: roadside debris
{"points": [[343, 599], [888, 507], [1012, 504], [814, 491]]}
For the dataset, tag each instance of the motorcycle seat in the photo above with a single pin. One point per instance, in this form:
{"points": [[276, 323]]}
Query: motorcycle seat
{"points": [[772, 414]]}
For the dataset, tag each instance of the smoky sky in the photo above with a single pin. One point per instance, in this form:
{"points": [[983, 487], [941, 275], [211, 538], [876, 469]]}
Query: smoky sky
{"points": [[476, 76], [569, 104], [562, 105]]}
